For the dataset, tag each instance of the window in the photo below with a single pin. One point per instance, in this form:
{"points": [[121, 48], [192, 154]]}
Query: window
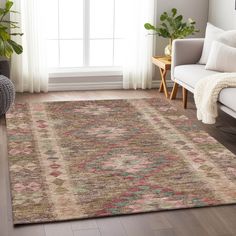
{"points": [[85, 33]]}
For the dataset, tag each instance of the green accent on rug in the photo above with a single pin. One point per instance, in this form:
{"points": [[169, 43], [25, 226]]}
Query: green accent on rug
{"points": [[74, 160]]}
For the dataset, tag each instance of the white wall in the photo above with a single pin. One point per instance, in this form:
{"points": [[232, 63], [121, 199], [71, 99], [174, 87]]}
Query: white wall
{"points": [[222, 13]]}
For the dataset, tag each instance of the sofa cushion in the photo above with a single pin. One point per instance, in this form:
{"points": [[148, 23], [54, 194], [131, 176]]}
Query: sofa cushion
{"points": [[190, 74], [228, 97]]}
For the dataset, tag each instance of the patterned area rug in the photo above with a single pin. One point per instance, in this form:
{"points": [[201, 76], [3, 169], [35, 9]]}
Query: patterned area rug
{"points": [[74, 160]]}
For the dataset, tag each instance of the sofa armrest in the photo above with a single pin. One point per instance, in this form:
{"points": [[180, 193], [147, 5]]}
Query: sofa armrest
{"points": [[186, 51]]}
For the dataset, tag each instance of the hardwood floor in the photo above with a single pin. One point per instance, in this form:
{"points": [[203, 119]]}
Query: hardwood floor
{"points": [[213, 221]]}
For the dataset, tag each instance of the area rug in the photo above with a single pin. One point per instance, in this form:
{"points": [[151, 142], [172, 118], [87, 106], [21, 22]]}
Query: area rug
{"points": [[76, 160]]}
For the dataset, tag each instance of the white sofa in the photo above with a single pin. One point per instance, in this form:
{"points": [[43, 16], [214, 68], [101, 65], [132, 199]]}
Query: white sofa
{"points": [[186, 72]]}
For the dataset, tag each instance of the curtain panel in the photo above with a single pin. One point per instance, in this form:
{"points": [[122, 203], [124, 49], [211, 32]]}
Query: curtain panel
{"points": [[29, 70], [137, 70]]}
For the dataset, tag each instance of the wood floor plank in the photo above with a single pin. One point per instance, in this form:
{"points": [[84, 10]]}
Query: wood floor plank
{"points": [[135, 226], [210, 221], [227, 235], [35, 230], [227, 214], [3, 180], [156, 221], [184, 223], [164, 232], [83, 224], [87, 232], [58, 229], [111, 227]]}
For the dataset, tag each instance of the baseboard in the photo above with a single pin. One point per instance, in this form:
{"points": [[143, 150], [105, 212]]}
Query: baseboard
{"points": [[156, 83], [85, 86], [108, 85]]}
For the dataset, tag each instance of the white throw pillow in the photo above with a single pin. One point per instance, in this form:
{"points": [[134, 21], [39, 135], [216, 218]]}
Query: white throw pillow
{"points": [[228, 38], [212, 33], [221, 58]]}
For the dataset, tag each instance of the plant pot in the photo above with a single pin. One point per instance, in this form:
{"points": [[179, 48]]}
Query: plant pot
{"points": [[5, 68], [168, 49]]}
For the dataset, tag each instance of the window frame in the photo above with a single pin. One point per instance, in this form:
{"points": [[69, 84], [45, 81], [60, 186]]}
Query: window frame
{"points": [[86, 68]]}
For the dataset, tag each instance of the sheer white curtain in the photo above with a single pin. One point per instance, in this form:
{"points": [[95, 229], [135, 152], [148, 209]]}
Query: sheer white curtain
{"points": [[29, 70], [137, 70]]}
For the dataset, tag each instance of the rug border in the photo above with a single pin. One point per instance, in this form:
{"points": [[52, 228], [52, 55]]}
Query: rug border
{"points": [[124, 214]]}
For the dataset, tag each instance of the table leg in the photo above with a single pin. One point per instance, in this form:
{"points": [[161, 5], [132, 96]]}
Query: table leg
{"points": [[161, 89], [174, 91], [163, 79]]}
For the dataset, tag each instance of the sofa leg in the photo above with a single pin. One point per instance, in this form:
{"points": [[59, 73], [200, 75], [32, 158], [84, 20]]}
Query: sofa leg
{"points": [[185, 97]]}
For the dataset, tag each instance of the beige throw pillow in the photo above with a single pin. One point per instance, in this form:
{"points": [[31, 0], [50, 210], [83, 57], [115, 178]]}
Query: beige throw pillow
{"points": [[222, 58]]}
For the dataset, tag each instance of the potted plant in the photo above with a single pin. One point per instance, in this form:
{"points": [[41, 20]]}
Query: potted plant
{"points": [[172, 27], [7, 45]]}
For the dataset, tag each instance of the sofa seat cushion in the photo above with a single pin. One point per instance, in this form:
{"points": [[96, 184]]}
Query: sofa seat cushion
{"points": [[190, 74], [228, 97]]}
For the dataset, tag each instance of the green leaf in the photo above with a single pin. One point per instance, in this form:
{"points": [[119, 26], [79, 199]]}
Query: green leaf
{"points": [[1, 48], [178, 25], [7, 50], [15, 34], [8, 5], [3, 28], [8, 21], [164, 33], [4, 35], [18, 49], [179, 18], [17, 12], [148, 26], [164, 25], [2, 11], [174, 12], [164, 16], [12, 25]]}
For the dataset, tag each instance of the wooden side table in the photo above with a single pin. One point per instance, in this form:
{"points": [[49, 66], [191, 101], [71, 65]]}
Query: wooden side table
{"points": [[164, 64]]}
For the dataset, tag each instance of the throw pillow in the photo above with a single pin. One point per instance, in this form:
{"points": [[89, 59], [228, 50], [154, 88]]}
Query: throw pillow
{"points": [[228, 38], [212, 33], [221, 58]]}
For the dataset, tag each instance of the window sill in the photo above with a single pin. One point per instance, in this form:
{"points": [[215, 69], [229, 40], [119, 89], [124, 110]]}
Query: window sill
{"points": [[85, 72]]}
